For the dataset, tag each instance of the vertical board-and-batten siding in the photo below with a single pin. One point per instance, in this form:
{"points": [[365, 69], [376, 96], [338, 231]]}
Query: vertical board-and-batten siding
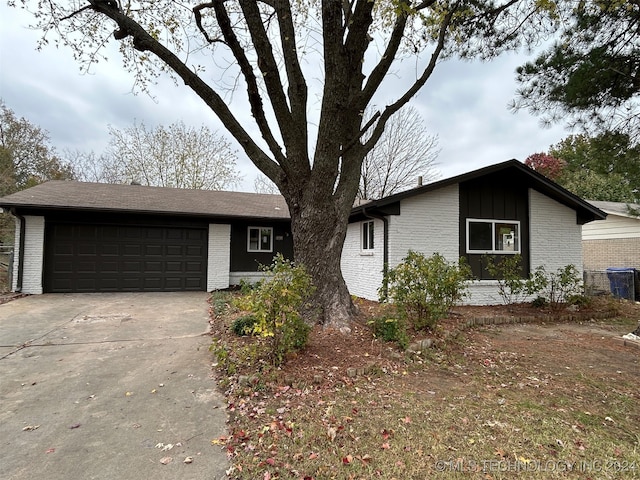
{"points": [[219, 261], [33, 255], [362, 271], [556, 236]]}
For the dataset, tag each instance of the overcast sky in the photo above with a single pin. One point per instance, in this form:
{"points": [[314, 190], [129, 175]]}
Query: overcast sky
{"points": [[464, 103]]}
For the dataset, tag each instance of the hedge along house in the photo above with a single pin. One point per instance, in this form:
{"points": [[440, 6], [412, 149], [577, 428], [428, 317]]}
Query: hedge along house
{"points": [[90, 237], [500, 210]]}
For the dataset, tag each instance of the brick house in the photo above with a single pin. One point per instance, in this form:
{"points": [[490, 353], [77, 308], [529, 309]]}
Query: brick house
{"points": [[88, 237], [503, 209]]}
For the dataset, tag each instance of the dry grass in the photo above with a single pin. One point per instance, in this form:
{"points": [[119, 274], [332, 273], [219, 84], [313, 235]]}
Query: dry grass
{"points": [[523, 401]]}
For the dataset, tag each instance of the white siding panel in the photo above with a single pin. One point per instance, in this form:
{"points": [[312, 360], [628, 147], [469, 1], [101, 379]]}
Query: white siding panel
{"points": [[33, 254], [615, 226], [219, 261], [236, 278], [362, 272], [16, 256], [428, 224], [556, 237]]}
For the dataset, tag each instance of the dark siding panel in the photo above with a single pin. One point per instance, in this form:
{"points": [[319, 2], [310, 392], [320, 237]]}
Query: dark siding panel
{"points": [[244, 261], [498, 197], [109, 258]]}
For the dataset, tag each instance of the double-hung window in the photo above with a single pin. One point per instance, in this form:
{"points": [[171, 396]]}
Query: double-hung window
{"points": [[260, 239], [367, 236], [493, 236]]}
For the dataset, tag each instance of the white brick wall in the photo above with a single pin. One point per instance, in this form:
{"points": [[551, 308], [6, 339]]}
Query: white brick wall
{"points": [[33, 255], [219, 260], [556, 237], [428, 224], [362, 272]]}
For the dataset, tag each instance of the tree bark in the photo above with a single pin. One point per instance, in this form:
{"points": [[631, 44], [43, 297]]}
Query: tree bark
{"points": [[318, 236]]}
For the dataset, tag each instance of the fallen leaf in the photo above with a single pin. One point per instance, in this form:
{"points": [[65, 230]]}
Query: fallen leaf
{"points": [[221, 440], [347, 460], [166, 460], [386, 446], [188, 460], [406, 420], [313, 456], [331, 433]]}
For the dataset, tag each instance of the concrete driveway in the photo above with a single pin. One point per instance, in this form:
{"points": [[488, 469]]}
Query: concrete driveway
{"points": [[108, 386]]}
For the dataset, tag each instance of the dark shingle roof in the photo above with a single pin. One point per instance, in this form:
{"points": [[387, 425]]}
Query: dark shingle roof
{"points": [[70, 195]]}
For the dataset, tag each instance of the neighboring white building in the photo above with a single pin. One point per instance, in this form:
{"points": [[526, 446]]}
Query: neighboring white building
{"points": [[614, 242], [499, 210]]}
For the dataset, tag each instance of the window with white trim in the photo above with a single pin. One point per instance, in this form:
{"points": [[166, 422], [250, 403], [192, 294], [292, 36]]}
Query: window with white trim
{"points": [[493, 236], [260, 239], [367, 236]]}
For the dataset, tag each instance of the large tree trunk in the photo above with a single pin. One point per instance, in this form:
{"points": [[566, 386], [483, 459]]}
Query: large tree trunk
{"points": [[319, 230]]}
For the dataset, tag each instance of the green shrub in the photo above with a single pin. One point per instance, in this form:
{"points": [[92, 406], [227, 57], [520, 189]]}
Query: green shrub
{"points": [[425, 289], [276, 302], [244, 325], [511, 286], [391, 328], [563, 285]]}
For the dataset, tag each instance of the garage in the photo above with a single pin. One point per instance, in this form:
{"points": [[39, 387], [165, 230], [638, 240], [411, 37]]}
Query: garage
{"points": [[124, 258], [77, 237]]}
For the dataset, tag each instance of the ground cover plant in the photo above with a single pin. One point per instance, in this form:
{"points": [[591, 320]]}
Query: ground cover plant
{"points": [[543, 399]]}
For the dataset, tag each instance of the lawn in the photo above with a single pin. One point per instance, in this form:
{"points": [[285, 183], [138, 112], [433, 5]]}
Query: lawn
{"points": [[542, 399]]}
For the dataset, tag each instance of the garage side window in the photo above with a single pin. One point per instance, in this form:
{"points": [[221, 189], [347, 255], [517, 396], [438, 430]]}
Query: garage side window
{"points": [[493, 236], [260, 239]]}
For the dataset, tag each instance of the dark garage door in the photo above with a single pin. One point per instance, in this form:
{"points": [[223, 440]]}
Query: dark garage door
{"points": [[124, 258]]}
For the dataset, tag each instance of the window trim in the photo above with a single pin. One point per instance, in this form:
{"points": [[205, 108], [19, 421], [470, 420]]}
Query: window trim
{"points": [[370, 227], [259, 249], [518, 247]]}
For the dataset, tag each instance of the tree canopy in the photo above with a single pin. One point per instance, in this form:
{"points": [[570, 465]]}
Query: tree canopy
{"points": [[175, 156], [26, 159], [590, 77], [309, 69], [604, 167], [404, 152]]}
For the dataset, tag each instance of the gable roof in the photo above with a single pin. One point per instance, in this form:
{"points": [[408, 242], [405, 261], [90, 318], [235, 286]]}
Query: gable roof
{"points": [[621, 209], [72, 195], [586, 212]]}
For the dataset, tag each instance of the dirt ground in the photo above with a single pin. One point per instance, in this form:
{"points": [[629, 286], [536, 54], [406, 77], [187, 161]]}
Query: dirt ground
{"points": [[588, 340]]}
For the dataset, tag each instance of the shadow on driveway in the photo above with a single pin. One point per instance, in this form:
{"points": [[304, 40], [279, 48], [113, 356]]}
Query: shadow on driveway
{"points": [[108, 386]]}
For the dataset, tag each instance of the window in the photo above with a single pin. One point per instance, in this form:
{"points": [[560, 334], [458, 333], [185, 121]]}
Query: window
{"points": [[493, 236], [260, 239], [367, 236]]}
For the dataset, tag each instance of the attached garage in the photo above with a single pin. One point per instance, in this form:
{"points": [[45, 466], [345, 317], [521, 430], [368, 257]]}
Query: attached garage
{"points": [[76, 237], [124, 258]]}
